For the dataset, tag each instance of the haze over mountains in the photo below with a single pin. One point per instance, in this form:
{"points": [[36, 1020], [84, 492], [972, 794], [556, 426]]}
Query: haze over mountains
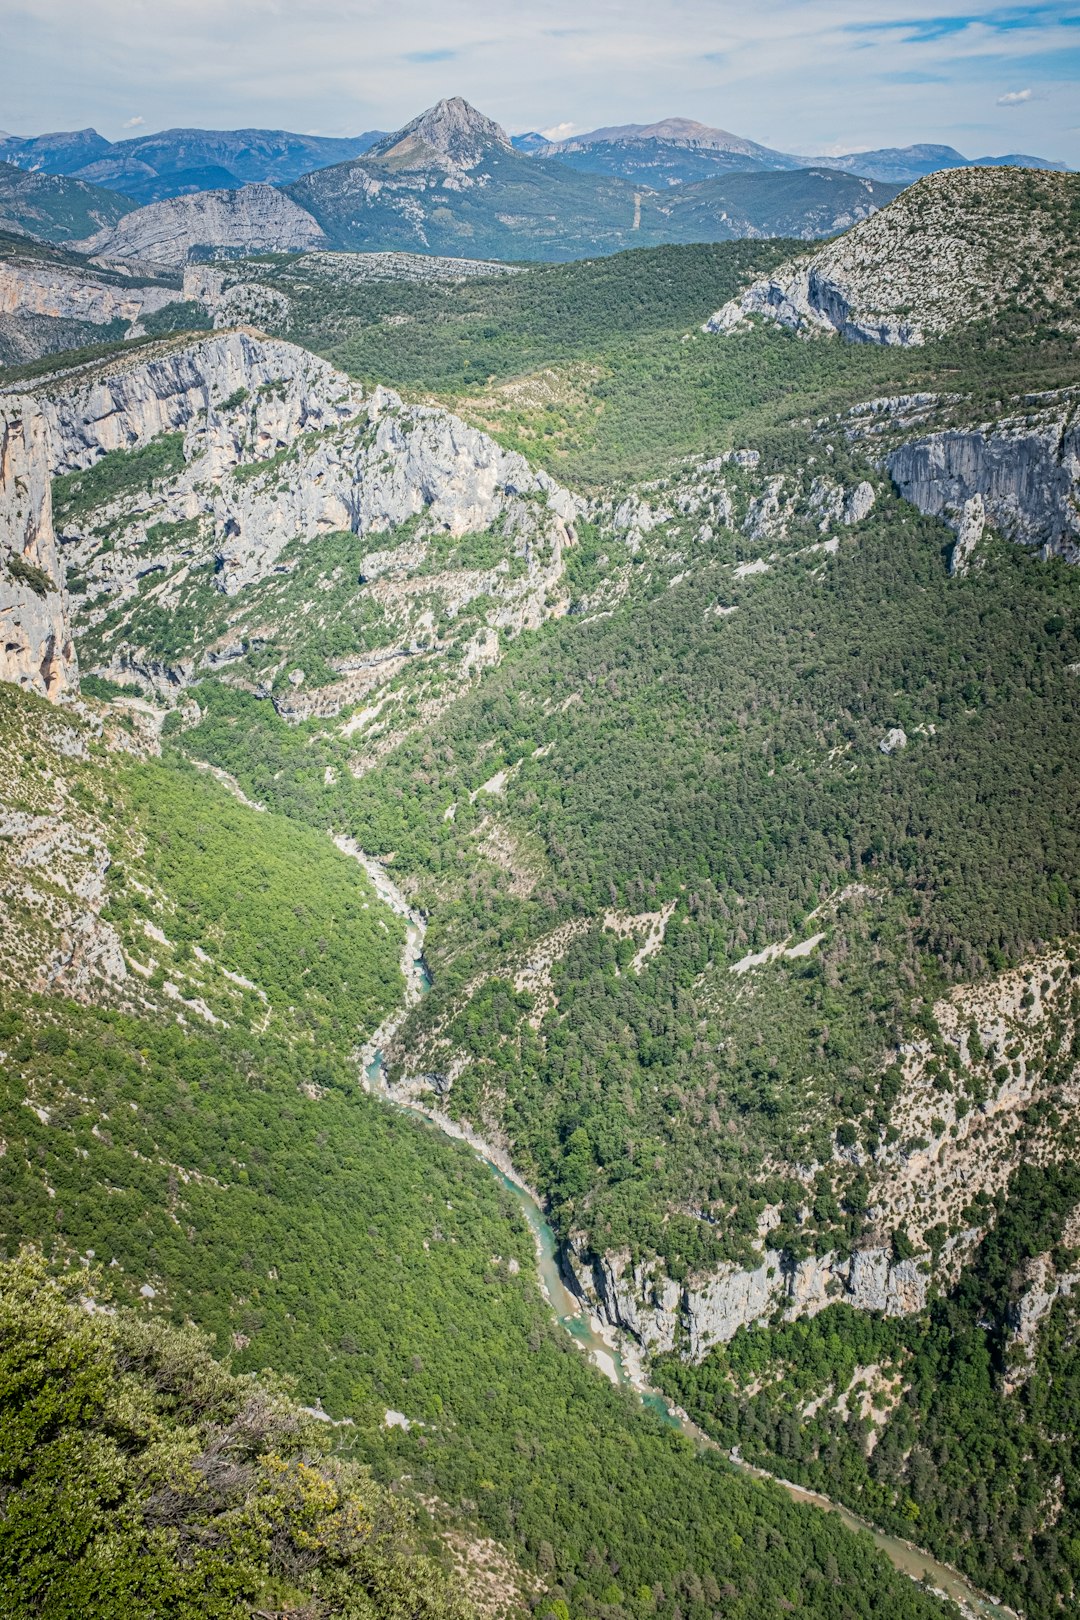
{"points": [[677, 150], [670, 151], [175, 161]]}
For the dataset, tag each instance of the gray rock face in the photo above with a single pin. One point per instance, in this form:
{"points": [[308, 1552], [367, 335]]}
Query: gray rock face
{"points": [[391, 462], [662, 1314], [45, 289], [971, 522], [1040, 1285], [809, 298], [451, 130], [279, 449], [952, 249], [894, 741], [1024, 470], [36, 649], [256, 219], [130, 402]]}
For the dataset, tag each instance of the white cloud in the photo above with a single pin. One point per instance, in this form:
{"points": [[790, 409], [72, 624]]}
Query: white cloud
{"points": [[558, 132], [133, 123], [1013, 98]]}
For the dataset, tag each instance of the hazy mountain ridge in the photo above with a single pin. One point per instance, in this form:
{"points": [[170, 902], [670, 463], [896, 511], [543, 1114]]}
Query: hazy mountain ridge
{"points": [[676, 150], [174, 161], [55, 209]]}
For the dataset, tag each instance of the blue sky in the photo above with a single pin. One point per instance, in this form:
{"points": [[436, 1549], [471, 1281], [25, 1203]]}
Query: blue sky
{"points": [[814, 76]]}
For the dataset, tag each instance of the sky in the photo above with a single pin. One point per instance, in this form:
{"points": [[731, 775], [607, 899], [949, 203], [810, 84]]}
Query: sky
{"points": [[812, 76]]}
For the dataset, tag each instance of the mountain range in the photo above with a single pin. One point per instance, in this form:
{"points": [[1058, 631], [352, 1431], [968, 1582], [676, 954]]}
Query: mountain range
{"points": [[670, 151], [176, 161], [675, 151]]}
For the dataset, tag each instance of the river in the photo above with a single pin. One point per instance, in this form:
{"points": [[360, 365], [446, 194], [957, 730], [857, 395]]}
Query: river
{"points": [[620, 1361]]}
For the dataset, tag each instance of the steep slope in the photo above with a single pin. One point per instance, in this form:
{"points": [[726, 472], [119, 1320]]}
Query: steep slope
{"points": [[128, 1527], [37, 652], [373, 545], [54, 209], [255, 219], [52, 300], [195, 1120], [956, 248]]}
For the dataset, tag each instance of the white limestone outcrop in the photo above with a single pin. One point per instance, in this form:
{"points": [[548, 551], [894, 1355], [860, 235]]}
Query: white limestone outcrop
{"points": [[1020, 474], [36, 647], [665, 1315], [255, 219]]}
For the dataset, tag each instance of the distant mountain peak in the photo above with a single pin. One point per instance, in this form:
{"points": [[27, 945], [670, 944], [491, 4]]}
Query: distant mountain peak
{"points": [[453, 130]]}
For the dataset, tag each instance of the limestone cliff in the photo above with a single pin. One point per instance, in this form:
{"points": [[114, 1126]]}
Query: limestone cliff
{"points": [[73, 294], [256, 219], [1021, 474], [957, 247], [279, 449], [36, 649], [665, 1316]]}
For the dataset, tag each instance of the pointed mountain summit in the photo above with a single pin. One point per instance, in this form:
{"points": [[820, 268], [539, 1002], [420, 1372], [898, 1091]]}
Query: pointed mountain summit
{"points": [[452, 132]]}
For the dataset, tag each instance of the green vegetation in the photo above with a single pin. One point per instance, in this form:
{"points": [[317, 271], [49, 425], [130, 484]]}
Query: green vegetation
{"points": [[708, 762], [955, 1463], [28, 573], [317, 1234], [184, 315], [56, 207], [599, 369], [139, 1477], [120, 472]]}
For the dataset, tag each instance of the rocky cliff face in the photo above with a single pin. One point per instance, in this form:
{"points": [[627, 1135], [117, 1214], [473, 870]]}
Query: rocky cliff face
{"points": [[691, 1318], [279, 449], [36, 647], [32, 289], [1021, 474], [953, 249], [944, 1155], [256, 219], [451, 133], [183, 387]]}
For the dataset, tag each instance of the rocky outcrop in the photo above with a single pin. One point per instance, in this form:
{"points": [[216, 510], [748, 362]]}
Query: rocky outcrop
{"points": [[256, 219], [183, 387], [1021, 474], [1038, 1286], [70, 294], [278, 450], [36, 648], [952, 249], [452, 133], [970, 523], [691, 1317]]}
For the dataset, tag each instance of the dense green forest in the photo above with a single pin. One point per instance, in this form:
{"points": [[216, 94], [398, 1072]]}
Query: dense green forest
{"points": [[698, 765], [232, 1174], [363, 1255], [599, 369], [957, 1464], [139, 1476]]}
